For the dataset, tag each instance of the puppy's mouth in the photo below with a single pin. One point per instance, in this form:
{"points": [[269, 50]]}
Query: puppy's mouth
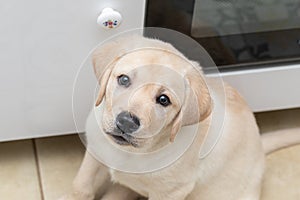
{"points": [[122, 138]]}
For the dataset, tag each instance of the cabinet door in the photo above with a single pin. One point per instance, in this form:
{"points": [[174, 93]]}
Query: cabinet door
{"points": [[42, 44]]}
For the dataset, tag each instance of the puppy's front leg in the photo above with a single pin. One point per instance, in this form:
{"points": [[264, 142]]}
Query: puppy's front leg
{"points": [[178, 193], [119, 192], [91, 176]]}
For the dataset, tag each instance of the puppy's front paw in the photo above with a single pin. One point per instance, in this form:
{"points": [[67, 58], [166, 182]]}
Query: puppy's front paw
{"points": [[77, 196], [66, 197]]}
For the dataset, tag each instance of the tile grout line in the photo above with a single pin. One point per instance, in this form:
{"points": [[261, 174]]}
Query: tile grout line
{"points": [[37, 163]]}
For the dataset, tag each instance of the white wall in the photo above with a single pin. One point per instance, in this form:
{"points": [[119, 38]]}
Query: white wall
{"points": [[42, 44]]}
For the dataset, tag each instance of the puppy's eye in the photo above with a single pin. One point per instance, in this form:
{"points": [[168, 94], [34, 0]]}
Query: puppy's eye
{"points": [[163, 100], [124, 80]]}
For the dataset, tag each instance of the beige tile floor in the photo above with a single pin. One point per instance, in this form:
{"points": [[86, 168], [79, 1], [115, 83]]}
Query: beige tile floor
{"points": [[43, 169]]}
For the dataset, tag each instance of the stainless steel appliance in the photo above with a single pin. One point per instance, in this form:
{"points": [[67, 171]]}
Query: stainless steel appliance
{"points": [[255, 44]]}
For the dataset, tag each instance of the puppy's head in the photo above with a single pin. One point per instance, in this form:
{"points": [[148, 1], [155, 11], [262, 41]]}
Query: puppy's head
{"points": [[150, 91]]}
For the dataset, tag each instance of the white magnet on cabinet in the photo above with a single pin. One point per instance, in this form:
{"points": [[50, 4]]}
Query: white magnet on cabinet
{"points": [[109, 18]]}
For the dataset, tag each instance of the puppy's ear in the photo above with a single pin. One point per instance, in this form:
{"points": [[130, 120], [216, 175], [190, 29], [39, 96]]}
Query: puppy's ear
{"points": [[197, 105], [104, 58], [103, 82]]}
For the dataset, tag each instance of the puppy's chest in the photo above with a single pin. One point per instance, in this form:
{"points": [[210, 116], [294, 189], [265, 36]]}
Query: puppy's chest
{"points": [[141, 183], [160, 181], [137, 182]]}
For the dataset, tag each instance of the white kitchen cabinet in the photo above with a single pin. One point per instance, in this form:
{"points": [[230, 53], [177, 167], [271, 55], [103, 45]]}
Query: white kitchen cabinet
{"points": [[42, 44]]}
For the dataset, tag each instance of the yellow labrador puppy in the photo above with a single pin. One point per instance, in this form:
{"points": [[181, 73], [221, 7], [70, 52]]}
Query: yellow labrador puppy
{"points": [[174, 95]]}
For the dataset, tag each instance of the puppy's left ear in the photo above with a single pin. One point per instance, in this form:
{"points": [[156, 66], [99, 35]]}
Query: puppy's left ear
{"points": [[104, 58], [198, 103], [103, 82]]}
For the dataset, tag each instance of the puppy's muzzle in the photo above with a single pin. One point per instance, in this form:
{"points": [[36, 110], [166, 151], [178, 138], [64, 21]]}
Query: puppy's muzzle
{"points": [[127, 122]]}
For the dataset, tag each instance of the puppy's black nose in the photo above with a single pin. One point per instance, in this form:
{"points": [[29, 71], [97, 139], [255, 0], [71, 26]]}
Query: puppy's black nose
{"points": [[127, 122]]}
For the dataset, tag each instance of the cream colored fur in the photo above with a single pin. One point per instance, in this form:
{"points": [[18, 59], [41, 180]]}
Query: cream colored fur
{"points": [[232, 171]]}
